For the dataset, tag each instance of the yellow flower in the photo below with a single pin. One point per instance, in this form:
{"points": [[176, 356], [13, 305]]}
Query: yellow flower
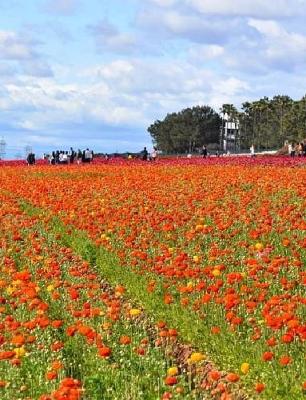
{"points": [[216, 272], [196, 357], [196, 259], [50, 288], [10, 290], [259, 246], [245, 367], [172, 371], [20, 352], [134, 312]]}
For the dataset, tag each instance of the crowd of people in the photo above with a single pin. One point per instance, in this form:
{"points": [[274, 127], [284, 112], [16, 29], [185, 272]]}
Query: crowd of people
{"points": [[297, 149], [146, 156], [69, 157], [62, 157]]}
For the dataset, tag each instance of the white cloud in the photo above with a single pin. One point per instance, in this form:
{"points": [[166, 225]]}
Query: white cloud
{"points": [[14, 47], [116, 94], [283, 48], [190, 26], [256, 8], [204, 53], [109, 38]]}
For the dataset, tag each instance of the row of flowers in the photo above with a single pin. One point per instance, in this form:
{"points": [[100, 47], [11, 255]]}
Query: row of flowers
{"points": [[66, 334]]}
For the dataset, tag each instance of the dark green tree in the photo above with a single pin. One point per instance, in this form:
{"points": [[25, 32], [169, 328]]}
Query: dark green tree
{"points": [[187, 130]]}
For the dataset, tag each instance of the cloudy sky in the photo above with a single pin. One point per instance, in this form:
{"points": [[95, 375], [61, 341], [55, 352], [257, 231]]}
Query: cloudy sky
{"points": [[98, 72]]}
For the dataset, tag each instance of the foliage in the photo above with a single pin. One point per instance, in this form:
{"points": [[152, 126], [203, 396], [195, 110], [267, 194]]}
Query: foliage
{"points": [[266, 123], [186, 130]]}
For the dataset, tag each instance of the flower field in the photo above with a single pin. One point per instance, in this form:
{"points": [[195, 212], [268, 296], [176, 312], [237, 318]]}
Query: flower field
{"points": [[177, 279]]}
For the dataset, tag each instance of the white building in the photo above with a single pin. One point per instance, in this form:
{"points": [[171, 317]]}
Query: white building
{"points": [[229, 135]]}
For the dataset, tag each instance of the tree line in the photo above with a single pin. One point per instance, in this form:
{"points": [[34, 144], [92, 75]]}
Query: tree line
{"points": [[266, 123]]}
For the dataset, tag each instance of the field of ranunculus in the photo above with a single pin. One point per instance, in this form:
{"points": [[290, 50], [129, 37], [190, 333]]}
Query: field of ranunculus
{"points": [[180, 279]]}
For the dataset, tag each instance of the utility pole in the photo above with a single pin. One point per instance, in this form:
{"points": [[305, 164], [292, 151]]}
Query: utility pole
{"points": [[27, 151], [2, 148]]}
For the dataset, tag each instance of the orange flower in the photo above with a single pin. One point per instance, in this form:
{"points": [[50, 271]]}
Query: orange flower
{"points": [[125, 340], [232, 377], [56, 365], [57, 324], [50, 375], [18, 340], [6, 355]]}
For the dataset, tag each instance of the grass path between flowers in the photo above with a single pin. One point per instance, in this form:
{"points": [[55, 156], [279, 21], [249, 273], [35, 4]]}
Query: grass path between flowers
{"points": [[191, 329]]}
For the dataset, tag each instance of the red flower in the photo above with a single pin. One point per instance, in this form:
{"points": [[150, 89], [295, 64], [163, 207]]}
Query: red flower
{"points": [[170, 380], [214, 375], [259, 387], [105, 351], [267, 356], [285, 360]]}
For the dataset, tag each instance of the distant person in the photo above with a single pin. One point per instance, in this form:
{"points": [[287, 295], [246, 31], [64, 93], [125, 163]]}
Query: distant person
{"points": [[289, 149], [51, 159], [304, 148], [61, 157], [145, 154], [31, 159], [204, 151], [252, 151], [154, 154], [292, 153], [72, 155], [57, 157], [65, 157], [87, 156], [79, 156]]}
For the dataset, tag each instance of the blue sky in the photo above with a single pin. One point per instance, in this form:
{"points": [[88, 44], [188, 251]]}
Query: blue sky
{"points": [[97, 73]]}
